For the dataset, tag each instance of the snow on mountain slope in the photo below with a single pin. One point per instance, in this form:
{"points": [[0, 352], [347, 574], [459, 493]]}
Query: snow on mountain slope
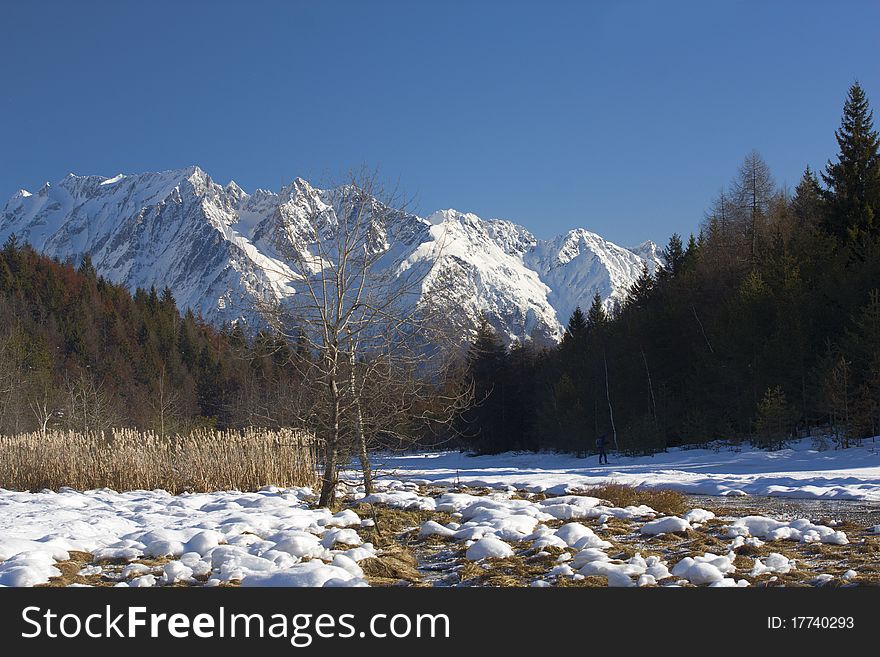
{"points": [[215, 247], [651, 254], [579, 264]]}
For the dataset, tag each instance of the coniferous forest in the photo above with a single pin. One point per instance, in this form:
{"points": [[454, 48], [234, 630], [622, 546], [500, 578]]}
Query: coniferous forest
{"points": [[763, 325], [80, 353]]}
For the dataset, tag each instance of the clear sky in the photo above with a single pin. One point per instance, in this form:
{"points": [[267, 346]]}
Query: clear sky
{"points": [[622, 117]]}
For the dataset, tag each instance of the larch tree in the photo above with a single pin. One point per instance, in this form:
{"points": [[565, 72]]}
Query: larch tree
{"points": [[753, 191]]}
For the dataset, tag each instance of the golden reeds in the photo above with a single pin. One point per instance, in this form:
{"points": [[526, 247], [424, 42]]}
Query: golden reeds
{"points": [[125, 459]]}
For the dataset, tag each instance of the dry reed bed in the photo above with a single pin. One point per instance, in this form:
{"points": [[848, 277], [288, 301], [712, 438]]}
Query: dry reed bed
{"points": [[125, 459]]}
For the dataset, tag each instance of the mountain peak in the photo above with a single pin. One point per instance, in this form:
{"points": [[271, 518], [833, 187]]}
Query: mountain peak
{"points": [[178, 228]]}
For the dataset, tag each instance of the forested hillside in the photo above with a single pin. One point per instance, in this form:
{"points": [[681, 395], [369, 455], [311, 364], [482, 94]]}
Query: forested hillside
{"points": [[78, 352], [766, 322]]}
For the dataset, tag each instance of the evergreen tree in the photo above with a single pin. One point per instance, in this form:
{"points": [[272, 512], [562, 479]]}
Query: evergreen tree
{"points": [[691, 253], [774, 418], [674, 254], [576, 330], [87, 269], [807, 202], [863, 344], [596, 316], [640, 291], [482, 423], [854, 180]]}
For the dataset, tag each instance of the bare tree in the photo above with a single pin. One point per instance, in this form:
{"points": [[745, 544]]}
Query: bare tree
{"points": [[87, 406], [753, 190], [165, 404], [358, 308], [43, 400]]}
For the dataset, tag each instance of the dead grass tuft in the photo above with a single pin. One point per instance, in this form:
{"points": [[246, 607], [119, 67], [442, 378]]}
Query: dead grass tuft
{"points": [[397, 526], [667, 502], [391, 567], [70, 572], [593, 581]]}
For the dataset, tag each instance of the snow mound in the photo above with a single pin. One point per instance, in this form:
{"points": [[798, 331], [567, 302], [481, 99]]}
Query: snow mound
{"points": [[801, 530], [311, 573], [774, 563], [668, 524], [707, 569], [431, 528], [488, 547], [698, 515]]}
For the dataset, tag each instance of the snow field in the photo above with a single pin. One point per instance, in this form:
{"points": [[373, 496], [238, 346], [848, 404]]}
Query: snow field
{"points": [[273, 538], [799, 471], [270, 537]]}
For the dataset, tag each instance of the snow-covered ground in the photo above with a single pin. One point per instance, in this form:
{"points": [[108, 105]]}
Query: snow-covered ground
{"points": [[270, 537], [798, 472], [276, 537]]}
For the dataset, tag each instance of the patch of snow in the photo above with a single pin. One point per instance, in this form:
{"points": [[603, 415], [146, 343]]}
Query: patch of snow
{"points": [[773, 563], [665, 525], [488, 547], [801, 530]]}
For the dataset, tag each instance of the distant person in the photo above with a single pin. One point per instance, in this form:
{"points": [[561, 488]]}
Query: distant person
{"points": [[601, 442]]}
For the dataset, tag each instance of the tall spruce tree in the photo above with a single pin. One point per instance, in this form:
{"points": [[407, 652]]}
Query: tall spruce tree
{"points": [[596, 316], [674, 255], [854, 180], [576, 331], [807, 202], [640, 291]]}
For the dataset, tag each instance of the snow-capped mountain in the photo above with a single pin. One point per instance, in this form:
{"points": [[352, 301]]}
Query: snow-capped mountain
{"points": [[215, 247]]}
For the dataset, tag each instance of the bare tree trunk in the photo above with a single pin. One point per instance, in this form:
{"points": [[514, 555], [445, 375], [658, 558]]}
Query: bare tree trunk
{"points": [[702, 330], [331, 447], [650, 385], [608, 397], [360, 438]]}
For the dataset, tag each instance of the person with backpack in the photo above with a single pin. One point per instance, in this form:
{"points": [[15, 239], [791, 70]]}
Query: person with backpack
{"points": [[601, 442]]}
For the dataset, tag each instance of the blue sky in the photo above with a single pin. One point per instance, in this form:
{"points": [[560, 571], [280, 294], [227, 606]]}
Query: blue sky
{"points": [[622, 117]]}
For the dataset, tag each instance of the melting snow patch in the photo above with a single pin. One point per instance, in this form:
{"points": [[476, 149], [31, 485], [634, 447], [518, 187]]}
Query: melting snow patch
{"points": [[706, 569], [402, 500], [311, 573], [698, 515], [431, 528], [774, 563], [797, 530], [487, 548], [345, 536], [28, 569], [669, 524], [347, 518], [176, 571]]}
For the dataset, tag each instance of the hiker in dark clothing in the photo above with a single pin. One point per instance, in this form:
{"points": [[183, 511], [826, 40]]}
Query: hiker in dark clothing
{"points": [[601, 441]]}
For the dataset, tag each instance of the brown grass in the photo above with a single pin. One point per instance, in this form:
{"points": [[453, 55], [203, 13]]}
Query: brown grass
{"points": [[592, 581], [506, 572], [667, 502], [70, 569], [391, 567], [124, 459], [392, 522]]}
